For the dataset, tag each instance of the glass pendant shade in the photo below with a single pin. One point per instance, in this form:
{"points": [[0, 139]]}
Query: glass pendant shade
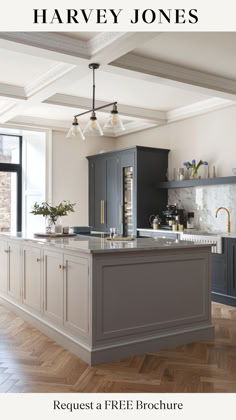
{"points": [[75, 131], [93, 127], [114, 121]]}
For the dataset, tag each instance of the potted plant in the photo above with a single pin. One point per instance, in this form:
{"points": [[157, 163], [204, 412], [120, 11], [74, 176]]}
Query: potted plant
{"points": [[195, 166], [53, 214]]}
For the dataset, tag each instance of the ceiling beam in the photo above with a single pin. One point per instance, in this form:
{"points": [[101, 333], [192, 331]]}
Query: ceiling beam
{"points": [[47, 45], [11, 91], [148, 115], [102, 48], [109, 46], [155, 71]]}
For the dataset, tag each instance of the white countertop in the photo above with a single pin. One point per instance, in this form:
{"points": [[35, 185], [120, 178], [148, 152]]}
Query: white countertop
{"points": [[90, 244], [190, 232]]}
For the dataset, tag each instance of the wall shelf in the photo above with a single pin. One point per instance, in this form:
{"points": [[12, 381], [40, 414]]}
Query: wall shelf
{"points": [[189, 183]]}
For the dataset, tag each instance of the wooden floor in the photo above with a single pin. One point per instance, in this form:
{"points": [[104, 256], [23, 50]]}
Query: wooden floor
{"points": [[31, 362]]}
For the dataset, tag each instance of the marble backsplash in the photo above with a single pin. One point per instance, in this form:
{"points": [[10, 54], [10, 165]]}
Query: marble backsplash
{"points": [[204, 201]]}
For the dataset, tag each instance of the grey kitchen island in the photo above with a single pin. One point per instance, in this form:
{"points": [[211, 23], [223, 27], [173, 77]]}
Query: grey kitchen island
{"points": [[108, 300]]}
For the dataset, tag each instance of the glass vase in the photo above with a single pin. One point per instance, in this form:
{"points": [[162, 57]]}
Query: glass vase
{"points": [[49, 225], [194, 174], [53, 224]]}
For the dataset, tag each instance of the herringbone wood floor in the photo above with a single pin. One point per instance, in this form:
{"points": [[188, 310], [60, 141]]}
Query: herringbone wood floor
{"points": [[31, 362]]}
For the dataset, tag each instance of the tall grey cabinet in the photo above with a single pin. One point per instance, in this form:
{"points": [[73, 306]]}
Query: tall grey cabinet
{"points": [[122, 188]]}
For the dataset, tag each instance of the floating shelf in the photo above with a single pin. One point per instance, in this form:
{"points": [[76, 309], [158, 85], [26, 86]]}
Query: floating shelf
{"points": [[189, 183]]}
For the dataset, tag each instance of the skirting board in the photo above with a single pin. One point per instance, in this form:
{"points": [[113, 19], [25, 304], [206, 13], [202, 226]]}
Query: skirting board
{"points": [[152, 344], [112, 352]]}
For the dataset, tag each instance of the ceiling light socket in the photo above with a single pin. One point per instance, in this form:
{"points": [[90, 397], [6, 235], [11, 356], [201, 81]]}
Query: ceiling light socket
{"points": [[114, 109], [75, 122], [94, 66]]}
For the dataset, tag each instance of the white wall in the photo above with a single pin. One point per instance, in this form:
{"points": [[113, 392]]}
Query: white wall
{"points": [[70, 172], [211, 137]]}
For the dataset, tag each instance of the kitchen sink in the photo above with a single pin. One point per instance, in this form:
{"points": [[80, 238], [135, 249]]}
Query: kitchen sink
{"points": [[214, 239]]}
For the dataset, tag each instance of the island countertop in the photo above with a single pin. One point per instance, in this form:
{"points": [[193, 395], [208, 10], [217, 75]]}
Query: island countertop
{"points": [[91, 244]]}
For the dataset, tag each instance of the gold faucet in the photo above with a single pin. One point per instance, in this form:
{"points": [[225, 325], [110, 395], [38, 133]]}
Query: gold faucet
{"points": [[223, 208]]}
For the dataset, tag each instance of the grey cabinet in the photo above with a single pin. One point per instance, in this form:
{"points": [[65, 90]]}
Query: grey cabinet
{"points": [[122, 188], [231, 259], [219, 277], [99, 193], [112, 204], [104, 193], [224, 274]]}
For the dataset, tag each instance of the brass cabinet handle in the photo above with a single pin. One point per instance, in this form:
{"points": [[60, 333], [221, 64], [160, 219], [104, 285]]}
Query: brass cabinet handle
{"points": [[62, 267], [6, 251], [121, 214], [38, 259], [102, 213]]}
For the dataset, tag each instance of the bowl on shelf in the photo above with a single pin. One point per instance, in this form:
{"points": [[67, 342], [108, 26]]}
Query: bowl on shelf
{"points": [[234, 171]]}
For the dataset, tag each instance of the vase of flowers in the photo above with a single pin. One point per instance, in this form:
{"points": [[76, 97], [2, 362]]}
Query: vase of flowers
{"points": [[53, 214], [195, 167]]}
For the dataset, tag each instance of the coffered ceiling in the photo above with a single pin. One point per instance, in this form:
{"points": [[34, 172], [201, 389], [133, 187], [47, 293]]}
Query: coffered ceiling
{"points": [[157, 78]]}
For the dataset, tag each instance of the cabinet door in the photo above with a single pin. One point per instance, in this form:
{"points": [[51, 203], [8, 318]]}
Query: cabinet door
{"points": [[100, 195], [76, 295], [4, 252], [14, 285], [128, 196], [112, 210], [219, 274], [32, 277], [231, 251], [91, 203], [53, 286]]}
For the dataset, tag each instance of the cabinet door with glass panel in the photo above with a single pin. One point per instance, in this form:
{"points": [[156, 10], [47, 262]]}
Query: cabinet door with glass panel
{"points": [[10, 182]]}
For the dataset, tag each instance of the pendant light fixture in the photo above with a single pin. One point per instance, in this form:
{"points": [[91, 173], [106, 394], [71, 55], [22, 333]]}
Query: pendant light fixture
{"points": [[114, 121], [93, 127], [75, 131]]}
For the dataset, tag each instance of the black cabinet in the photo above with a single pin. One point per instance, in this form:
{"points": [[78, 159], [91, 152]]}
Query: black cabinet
{"points": [[231, 257], [122, 188], [219, 277], [104, 193], [224, 274]]}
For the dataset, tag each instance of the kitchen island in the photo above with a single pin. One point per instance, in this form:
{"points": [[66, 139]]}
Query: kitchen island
{"points": [[107, 300]]}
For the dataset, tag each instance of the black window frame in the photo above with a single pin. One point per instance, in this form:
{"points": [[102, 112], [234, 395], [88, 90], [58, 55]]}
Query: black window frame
{"points": [[16, 168]]}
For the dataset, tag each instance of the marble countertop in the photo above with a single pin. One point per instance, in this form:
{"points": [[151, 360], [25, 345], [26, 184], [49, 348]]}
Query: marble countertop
{"points": [[94, 245]]}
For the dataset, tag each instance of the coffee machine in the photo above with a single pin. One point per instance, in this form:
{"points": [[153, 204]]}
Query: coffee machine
{"points": [[172, 214]]}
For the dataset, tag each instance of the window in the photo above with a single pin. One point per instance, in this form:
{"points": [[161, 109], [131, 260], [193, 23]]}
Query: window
{"points": [[10, 183]]}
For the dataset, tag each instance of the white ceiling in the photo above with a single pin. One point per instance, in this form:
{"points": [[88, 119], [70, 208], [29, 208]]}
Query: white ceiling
{"points": [[144, 95], [20, 69], [125, 90], [209, 52]]}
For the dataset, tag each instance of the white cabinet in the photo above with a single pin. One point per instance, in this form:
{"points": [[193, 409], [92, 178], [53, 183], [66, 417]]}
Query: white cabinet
{"points": [[76, 295], [32, 277], [4, 261], [53, 286], [14, 278]]}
